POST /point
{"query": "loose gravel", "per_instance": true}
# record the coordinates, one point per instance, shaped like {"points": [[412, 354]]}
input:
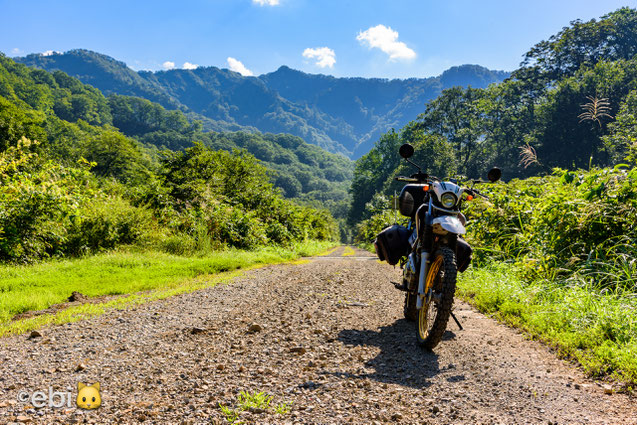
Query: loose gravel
{"points": [[326, 337]]}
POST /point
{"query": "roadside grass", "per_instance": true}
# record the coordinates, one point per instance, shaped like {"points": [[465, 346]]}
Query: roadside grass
{"points": [[39, 286], [367, 246], [348, 251], [329, 252], [597, 328], [252, 401]]}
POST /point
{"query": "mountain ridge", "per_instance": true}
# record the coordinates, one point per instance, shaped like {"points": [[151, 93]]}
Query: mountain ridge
{"points": [[340, 114]]}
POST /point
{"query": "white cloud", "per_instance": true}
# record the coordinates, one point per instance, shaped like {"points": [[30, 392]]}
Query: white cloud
{"points": [[49, 53], [386, 39], [168, 65], [188, 65], [237, 66], [15, 51], [325, 57], [266, 2]]}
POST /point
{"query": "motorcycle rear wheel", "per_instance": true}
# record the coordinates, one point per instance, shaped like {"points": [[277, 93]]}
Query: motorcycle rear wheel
{"points": [[409, 310], [434, 314]]}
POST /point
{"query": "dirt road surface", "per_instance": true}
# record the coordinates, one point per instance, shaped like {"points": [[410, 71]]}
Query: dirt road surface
{"points": [[326, 336]]}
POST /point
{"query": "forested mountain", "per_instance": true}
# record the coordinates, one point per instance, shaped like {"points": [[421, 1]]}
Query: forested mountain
{"points": [[298, 168], [342, 115], [80, 173]]}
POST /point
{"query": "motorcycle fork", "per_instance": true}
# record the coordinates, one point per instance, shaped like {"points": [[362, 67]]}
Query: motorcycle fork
{"points": [[424, 267], [426, 247]]}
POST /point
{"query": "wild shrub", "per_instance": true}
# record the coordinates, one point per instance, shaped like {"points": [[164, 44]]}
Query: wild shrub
{"points": [[106, 222], [37, 199], [569, 222], [231, 193], [47, 209]]}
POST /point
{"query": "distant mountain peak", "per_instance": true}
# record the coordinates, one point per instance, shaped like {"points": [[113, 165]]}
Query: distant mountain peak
{"points": [[471, 75], [286, 70], [83, 53]]}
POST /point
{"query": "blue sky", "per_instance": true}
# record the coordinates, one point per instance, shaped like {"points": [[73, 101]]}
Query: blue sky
{"points": [[367, 38]]}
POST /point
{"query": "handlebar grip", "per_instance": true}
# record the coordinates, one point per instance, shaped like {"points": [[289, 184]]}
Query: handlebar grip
{"points": [[475, 193], [480, 194]]}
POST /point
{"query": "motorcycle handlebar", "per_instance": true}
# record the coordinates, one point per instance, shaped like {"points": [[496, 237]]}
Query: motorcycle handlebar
{"points": [[417, 178], [426, 179], [407, 179], [475, 192]]}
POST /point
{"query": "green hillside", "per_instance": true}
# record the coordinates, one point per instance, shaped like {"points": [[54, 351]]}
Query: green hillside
{"points": [[71, 183], [342, 115], [297, 167]]}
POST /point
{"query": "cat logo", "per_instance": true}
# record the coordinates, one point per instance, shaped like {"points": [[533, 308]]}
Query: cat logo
{"points": [[88, 396]]}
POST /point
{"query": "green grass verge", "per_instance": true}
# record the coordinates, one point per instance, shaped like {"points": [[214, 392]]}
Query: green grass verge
{"points": [[37, 287], [348, 251], [254, 400], [329, 252], [596, 328]]}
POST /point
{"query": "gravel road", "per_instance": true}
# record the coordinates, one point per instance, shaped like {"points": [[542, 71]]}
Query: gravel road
{"points": [[326, 336]]}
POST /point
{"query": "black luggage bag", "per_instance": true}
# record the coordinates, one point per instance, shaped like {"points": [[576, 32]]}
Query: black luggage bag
{"points": [[392, 243]]}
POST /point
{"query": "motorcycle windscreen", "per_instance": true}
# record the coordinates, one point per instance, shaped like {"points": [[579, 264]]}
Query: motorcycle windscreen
{"points": [[451, 224]]}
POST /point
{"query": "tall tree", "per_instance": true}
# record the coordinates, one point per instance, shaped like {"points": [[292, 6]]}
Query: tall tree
{"points": [[613, 37], [456, 116]]}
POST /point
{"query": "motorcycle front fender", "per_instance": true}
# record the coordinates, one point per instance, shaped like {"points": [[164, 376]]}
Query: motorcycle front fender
{"points": [[451, 224]]}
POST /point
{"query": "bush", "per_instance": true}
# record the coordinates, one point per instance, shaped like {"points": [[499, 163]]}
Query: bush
{"points": [[582, 222], [47, 209], [236, 228], [106, 222], [37, 198], [230, 192]]}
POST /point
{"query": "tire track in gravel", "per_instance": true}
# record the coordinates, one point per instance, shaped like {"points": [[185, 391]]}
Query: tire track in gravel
{"points": [[330, 339]]}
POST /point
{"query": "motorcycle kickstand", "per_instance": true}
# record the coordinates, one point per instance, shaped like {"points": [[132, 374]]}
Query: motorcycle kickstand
{"points": [[456, 320], [400, 286]]}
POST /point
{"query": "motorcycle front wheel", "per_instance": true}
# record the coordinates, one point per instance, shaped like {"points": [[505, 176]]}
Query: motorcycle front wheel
{"points": [[435, 312]]}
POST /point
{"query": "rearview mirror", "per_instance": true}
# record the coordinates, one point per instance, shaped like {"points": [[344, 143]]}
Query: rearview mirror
{"points": [[406, 150], [494, 174]]}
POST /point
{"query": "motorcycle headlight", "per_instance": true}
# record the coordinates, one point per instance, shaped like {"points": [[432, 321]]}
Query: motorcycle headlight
{"points": [[448, 200]]}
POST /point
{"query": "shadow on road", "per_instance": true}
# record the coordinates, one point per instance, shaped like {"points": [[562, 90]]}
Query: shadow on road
{"points": [[400, 361]]}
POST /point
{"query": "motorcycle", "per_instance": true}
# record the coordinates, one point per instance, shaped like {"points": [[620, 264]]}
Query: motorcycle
{"points": [[430, 250]]}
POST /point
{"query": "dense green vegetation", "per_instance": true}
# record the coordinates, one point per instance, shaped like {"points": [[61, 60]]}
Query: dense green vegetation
{"points": [[559, 253], [554, 253], [71, 183], [301, 169], [342, 115], [583, 221]]}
